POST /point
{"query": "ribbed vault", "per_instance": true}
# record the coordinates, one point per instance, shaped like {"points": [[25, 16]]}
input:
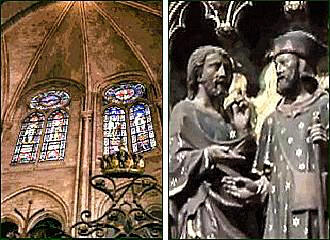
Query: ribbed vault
{"points": [[82, 41]]}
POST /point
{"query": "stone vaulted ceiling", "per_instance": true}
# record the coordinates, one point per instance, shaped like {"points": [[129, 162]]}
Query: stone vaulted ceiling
{"points": [[87, 42]]}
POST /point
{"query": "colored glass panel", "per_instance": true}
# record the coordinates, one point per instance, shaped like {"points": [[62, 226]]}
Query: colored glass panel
{"points": [[124, 93], [142, 134], [114, 130], [50, 100], [55, 136], [28, 140]]}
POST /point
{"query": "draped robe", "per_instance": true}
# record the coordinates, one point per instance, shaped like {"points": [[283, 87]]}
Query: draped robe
{"points": [[286, 148], [197, 199]]}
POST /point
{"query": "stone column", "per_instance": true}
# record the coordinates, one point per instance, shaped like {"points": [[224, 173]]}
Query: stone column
{"points": [[85, 160]]}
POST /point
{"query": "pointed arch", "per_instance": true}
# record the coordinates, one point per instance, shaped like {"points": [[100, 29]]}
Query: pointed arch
{"points": [[142, 134], [46, 227], [28, 141], [54, 143], [114, 129]]}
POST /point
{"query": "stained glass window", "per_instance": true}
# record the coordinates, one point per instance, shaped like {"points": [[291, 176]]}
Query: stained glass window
{"points": [[26, 149], [53, 147], [124, 93], [114, 129], [135, 127], [52, 132], [142, 134], [50, 100]]}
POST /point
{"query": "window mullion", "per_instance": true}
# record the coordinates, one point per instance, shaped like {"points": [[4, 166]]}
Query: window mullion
{"points": [[128, 130], [42, 138]]}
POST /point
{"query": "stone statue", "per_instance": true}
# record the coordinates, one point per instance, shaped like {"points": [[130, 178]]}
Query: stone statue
{"points": [[207, 144], [292, 156]]}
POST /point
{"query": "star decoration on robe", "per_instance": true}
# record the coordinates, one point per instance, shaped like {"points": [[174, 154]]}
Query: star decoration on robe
{"points": [[301, 125], [270, 121], [287, 186], [182, 170], [174, 181], [273, 189], [316, 113], [290, 140], [299, 152], [302, 166], [232, 134], [181, 157], [295, 221]]}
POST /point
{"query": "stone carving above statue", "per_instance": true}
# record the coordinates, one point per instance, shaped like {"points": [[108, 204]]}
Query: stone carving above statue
{"points": [[223, 13], [294, 5]]}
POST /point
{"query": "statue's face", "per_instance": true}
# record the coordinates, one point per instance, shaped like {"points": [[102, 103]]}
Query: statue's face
{"points": [[216, 76], [287, 70]]}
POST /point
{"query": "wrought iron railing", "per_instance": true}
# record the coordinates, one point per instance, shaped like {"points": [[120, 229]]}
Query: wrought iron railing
{"points": [[130, 212]]}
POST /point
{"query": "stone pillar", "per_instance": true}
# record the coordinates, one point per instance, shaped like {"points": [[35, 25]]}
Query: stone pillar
{"points": [[85, 160]]}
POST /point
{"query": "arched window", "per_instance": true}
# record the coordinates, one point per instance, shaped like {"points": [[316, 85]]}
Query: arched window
{"points": [[47, 125], [27, 146], [114, 127], [53, 146], [46, 228], [127, 119], [142, 134]]}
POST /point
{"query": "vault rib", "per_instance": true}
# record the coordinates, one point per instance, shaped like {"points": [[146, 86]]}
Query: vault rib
{"points": [[86, 66], [5, 58], [134, 49], [142, 7], [35, 59]]}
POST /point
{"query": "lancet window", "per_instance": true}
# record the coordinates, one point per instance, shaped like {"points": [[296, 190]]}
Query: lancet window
{"points": [[46, 126], [127, 120]]}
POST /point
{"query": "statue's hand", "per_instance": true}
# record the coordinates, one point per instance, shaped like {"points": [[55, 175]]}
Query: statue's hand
{"points": [[240, 187], [223, 154], [241, 115]]}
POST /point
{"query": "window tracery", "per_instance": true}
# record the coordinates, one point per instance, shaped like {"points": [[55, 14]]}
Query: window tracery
{"points": [[45, 127], [127, 119]]}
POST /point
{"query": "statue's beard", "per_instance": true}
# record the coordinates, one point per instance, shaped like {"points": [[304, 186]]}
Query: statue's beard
{"points": [[287, 87]]}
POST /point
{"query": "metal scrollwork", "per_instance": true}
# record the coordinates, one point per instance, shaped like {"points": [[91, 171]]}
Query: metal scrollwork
{"points": [[127, 215]]}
